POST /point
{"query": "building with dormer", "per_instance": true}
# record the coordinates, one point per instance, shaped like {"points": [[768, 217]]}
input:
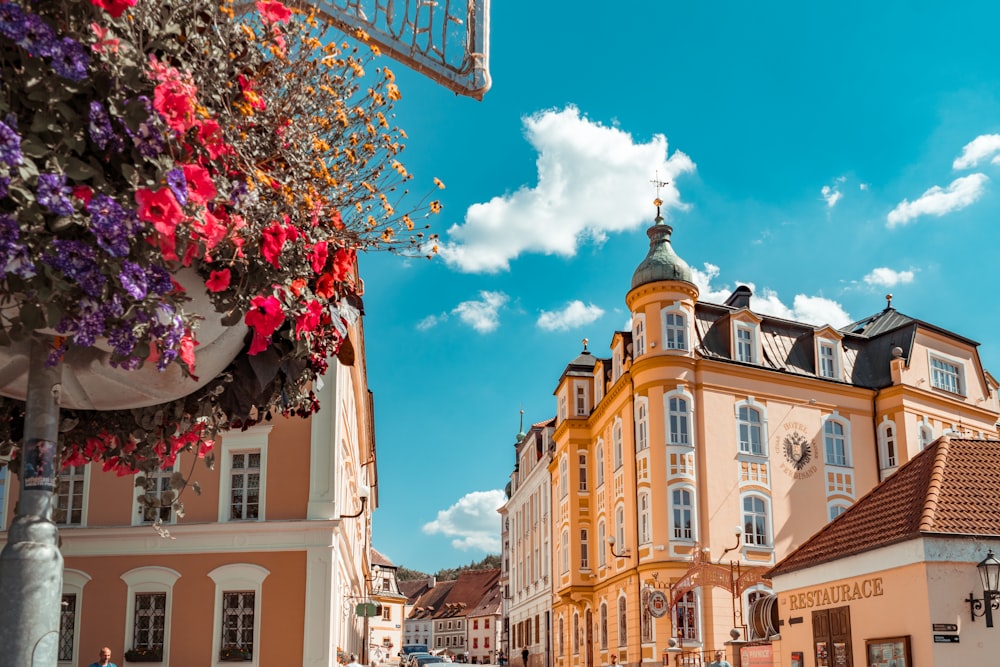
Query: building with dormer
{"points": [[713, 441], [386, 627]]}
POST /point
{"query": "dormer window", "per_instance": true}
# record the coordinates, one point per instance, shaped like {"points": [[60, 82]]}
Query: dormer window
{"points": [[746, 344], [829, 360], [946, 374], [674, 330]]}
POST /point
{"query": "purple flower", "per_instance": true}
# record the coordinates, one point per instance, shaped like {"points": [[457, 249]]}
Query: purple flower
{"points": [[10, 145], [38, 38], [133, 279], [11, 21], [100, 125], [78, 262], [158, 279], [123, 341], [70, 59], [4, 184], [109, 223], [13, 255], [53, 193], [178, 185]]}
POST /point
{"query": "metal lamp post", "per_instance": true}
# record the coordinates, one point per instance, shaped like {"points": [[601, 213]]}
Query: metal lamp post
{"points": [[31, 565], [989, 574]]}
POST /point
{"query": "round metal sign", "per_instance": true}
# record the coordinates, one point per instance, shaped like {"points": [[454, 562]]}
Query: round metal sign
{"points": [[657, 604]]}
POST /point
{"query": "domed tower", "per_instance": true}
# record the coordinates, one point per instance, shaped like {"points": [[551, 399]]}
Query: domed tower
{"points": [[662, 297]]}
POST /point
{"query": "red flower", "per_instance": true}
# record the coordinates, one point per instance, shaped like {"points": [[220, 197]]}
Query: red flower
{"points": [[309, 320], [325, 287], [113, 7], [265, 315], [343, 263], [273, 12], [272, 240], [210, 136], [187, 353], [161, 209], [218, 280], [83, 193], [175, 101], [200, 187], [318, 255]]}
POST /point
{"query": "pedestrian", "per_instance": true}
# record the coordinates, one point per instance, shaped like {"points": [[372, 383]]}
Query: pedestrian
{"points": [[614, 660], [720, 660], [353, 662], [104, 660], [524, 655]]}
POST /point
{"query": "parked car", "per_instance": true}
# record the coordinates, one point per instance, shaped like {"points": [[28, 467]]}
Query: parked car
{"points": [[423, 660], [412, 657]]}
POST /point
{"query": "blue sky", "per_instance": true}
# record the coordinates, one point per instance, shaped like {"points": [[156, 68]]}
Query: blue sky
{"points": [[825, 154]]}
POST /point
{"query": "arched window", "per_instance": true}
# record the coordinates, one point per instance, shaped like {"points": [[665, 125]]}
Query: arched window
{"points": [[644, 536], [749, 423], [639, 333], [682, 514], [756, 521], [641, 424], [604, 625], [616, 436], [600, 462], [645, 618], [622, 622], [620, 527], [888, 453], [674, 331], [678, 420], [582, 462], [926, 434], [601, 539], [562, 634], [835, 509], [576, 633], [836, 442]]}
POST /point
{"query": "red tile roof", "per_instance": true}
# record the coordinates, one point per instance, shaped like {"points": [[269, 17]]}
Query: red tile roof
{"points": [[950, 488], [379, 559]]}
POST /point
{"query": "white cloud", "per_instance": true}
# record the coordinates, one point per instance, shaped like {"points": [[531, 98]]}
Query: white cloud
{"points": [[938, 201], [592, 180], [472, 522], [982, 147], [886, 277], [832, 194], [863, 187], [574, 314], [815, 310], [483, 315], [431, 321]]}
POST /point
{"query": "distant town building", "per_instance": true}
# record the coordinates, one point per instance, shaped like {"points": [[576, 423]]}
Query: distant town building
{"points": [[712, 442], [449, 609], [422, 603], [386, 628], [483, 628]]}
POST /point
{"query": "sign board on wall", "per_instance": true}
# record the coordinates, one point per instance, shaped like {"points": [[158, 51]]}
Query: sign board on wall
{"points": [[759, 655]]}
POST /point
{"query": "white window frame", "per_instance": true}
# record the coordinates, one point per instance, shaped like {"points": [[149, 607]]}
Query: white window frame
{"points": [[673, 416], [835, 508], [599, 462], [682, 510], [582, 468], [238, 577], [639, 333], [622, 620], [581, 399], [616, 438], [73, 583], [833, 347], [620, 527], [563, 476], [85, 495], [641, 423], [951, 380], [563, 409], [254, 438], [601, 540], [848, 458], [674, 322], [584, 549], [746, 446], [645, 532], [137, 519], [925, 434], [750, 538], [564, 556], [753, 343], [598, 383], [150, 579], [888, 435], [693, 603]]}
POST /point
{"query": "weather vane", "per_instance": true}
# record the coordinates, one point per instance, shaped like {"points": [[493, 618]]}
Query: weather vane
{"points": [[658, 184]]}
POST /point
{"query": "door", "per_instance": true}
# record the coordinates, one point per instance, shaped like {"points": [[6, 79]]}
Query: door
{"points": [[832, 637]]}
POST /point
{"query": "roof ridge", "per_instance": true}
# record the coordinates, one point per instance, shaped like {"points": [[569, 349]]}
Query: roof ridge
{"points": [[929, 516]]}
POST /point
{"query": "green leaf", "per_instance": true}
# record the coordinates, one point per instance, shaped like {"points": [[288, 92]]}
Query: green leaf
{"points": [[34, 147], [78, 170], [32, 316]]}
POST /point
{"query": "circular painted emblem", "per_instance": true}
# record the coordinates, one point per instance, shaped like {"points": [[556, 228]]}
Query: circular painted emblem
{"points": [[797, 450], [658, 604]]}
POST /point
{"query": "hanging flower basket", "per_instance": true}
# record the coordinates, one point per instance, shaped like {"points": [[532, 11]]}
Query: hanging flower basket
{"points": [[184, 188], [235, 654], [144, 655]]}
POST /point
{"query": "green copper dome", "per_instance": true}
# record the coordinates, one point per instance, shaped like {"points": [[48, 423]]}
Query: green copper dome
{"points": [[661, 263]]}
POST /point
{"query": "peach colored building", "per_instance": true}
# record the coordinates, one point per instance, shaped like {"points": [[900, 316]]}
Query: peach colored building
{"points": [[386, 628], [266, 564], [887, 583], [712, 442]]}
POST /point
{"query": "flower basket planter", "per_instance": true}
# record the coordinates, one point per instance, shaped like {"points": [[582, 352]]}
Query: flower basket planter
{"points": [[234, 655], [143, 655]]}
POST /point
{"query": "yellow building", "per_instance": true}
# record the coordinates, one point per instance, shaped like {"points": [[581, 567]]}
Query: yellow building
{"points": [[715, 440], [266, 566]]}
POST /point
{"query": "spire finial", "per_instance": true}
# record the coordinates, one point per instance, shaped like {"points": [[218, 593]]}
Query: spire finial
{"points": [[659, 184], [520, 432], [888, 301], [585, 341]]}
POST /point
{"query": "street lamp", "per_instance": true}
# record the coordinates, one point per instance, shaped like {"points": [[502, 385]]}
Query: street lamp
{"points": [[738, 531], [989, 573], [624, 553]]}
